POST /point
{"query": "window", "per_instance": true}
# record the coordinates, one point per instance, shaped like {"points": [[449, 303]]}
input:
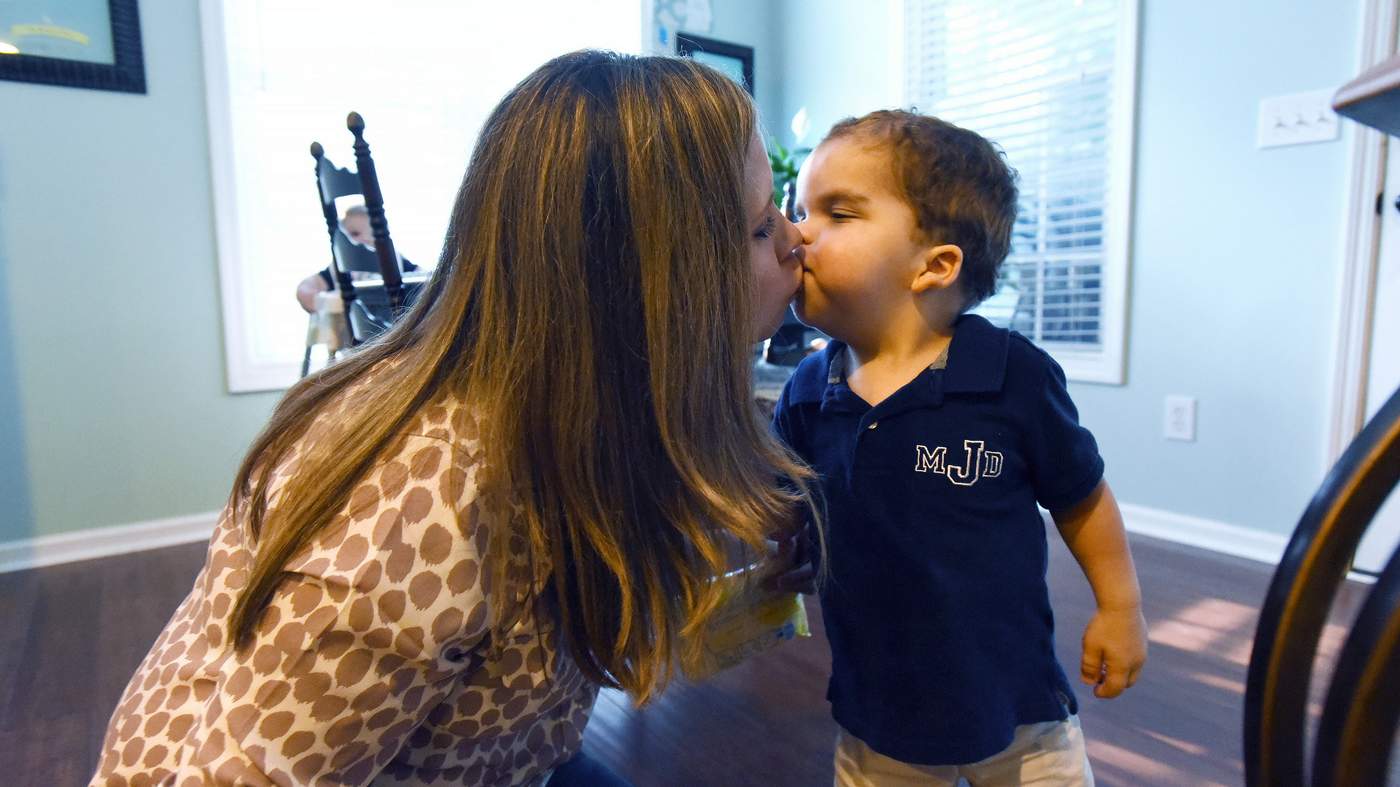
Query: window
{"points": [[423, 73], [1053, 83]]}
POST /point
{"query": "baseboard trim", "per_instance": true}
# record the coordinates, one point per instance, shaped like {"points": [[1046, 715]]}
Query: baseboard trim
{"points": [[1198, 532], [1205, 533], [105, 541], [1212, 535]]}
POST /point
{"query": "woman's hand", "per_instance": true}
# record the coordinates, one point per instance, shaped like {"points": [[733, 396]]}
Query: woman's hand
{"points": [[793, 569]]}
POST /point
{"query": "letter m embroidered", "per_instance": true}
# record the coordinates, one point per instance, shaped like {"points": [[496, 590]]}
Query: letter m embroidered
{"points": [[926, 461]]}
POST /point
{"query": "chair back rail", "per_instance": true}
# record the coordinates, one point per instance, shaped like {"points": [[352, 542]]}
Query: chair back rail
{"points": [[1295, 609], [347, 256], [374, 203], [1363, 703]]}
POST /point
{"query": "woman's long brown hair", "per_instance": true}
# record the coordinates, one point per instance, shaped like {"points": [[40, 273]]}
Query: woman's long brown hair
{"points": [[590, 306]]}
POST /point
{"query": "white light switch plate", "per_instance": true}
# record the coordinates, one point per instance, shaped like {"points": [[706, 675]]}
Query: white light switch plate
{"points": [[1297, 119], [1180, 422]]}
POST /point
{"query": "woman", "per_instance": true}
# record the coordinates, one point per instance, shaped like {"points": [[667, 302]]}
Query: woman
{"points": [[440, 547]]}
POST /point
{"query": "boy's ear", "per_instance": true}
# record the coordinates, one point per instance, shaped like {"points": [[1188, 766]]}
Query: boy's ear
{"points": [[939, 269]]}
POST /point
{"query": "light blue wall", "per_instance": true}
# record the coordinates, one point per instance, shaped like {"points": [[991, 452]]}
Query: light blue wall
{"points": [[112, 394], [1236, 263], [835, 60], [17, 511], [112, 402], [1237, 251]]}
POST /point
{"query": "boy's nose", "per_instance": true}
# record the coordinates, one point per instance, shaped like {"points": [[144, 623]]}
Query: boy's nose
{"points": [[804, 232]]}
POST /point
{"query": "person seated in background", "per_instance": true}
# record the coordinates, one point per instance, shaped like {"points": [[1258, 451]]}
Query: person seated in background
{"points": [[355, 225]]}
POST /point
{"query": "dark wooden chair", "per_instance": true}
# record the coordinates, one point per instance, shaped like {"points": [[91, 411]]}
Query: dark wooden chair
{"points": [[1357, 730], [369, 309]]}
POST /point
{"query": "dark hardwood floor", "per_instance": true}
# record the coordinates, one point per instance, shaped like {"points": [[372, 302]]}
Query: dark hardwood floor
{"points": [[72, 635]]}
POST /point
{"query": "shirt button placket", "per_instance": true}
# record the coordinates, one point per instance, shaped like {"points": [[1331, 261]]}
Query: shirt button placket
{"points": [[856, 452], [856, 449]]}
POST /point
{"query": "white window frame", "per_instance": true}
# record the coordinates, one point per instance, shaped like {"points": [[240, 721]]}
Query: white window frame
{"points": [[1361, 241], [245, 372], [1106, 364]]}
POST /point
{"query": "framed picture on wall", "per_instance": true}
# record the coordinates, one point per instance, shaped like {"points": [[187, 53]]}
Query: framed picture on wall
{"points": [[736, 60], [76, 43]]}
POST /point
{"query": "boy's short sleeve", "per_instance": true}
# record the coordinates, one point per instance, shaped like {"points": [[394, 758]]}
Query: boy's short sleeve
{"points": [[1065, 461]]}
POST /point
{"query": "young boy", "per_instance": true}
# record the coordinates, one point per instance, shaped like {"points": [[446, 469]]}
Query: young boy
{"points": [[935, 435]]}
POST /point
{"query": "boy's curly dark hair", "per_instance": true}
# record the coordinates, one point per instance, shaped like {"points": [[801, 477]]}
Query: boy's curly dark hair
{"points": [[958, 183]]}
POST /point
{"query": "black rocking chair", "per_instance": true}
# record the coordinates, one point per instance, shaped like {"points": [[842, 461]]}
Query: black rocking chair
{"points": [[1357, 730], [369, 307]]}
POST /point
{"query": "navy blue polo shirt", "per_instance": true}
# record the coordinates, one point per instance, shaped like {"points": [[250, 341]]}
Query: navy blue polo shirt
{"points": [[936, 606]]}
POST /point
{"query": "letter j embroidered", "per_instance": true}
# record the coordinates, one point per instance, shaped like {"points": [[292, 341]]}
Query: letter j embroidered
{"points": [[978, 463]]}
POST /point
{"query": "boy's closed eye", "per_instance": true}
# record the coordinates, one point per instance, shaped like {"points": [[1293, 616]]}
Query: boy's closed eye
{"points": [[841, 205], [836, 214]]}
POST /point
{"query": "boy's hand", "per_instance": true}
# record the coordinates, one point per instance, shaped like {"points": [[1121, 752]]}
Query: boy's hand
{"points": [[1115, 648]]}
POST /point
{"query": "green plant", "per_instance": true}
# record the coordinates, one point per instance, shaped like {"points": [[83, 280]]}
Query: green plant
{"points": [[785, 163]]}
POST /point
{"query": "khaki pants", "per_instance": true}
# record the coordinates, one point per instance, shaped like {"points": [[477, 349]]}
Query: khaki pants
{"points": [[1050, 754]]}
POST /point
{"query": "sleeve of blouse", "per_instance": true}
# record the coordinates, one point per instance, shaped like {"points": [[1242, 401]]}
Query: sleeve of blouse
{"points": [[361, 641]]}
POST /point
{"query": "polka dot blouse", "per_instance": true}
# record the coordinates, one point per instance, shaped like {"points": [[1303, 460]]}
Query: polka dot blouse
{"points": [[372, 663]]}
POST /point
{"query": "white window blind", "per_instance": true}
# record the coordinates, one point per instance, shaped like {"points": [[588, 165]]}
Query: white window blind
{"points": [[424, 74], [1053, 83]]}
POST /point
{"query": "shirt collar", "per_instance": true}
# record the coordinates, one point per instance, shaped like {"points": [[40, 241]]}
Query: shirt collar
{"points": [[809, 381], [975, 362], [836, 365], [976, 356]]}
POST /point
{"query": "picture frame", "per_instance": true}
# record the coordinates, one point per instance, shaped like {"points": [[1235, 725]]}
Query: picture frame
{"points": [[93, 44], [736, 60]]}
